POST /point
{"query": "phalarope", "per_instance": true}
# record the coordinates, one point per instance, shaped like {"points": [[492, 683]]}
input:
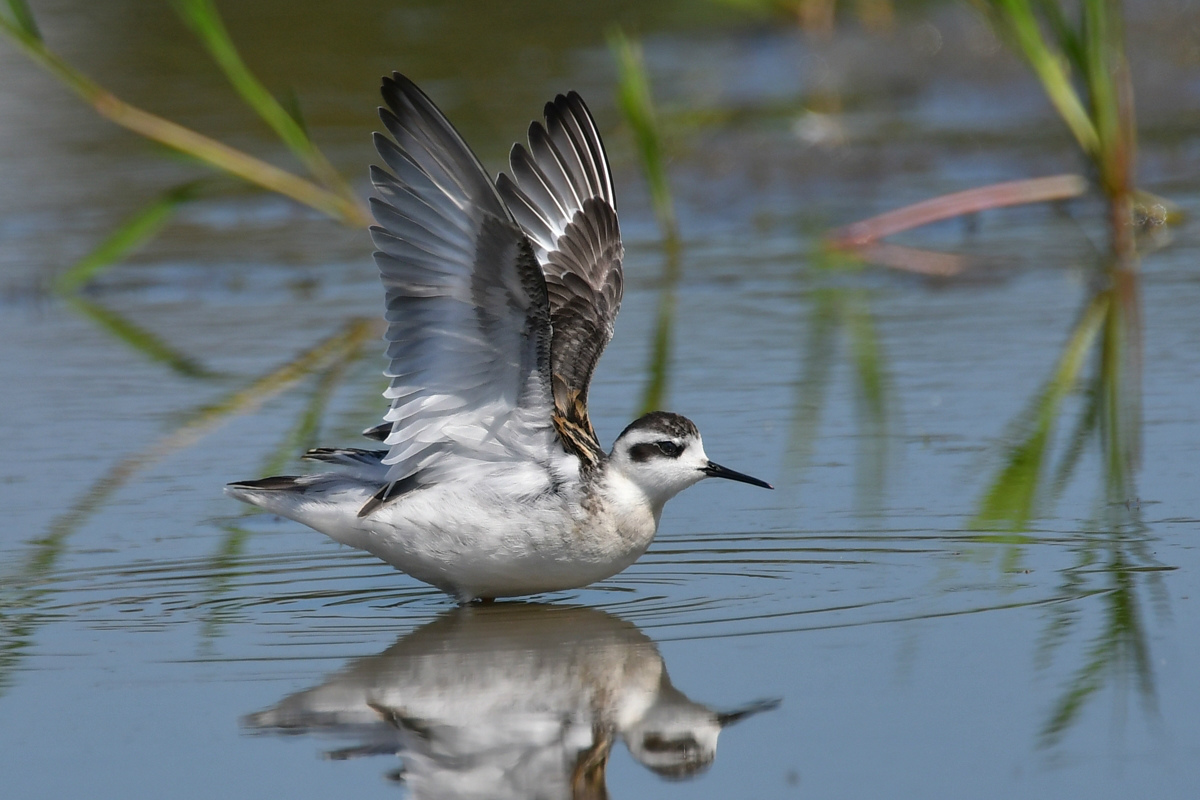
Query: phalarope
{"points": [[501, 296]]}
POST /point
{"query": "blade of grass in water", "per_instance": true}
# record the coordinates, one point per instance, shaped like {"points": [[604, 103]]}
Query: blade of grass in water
{"points": [[1019, 21], [637, 106], [970, 201], [204, 20], [173, 135], [132, 234], [658, 369], [23, 18]]}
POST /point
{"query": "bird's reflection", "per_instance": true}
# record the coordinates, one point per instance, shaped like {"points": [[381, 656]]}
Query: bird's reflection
{"points": [[512, 700]]}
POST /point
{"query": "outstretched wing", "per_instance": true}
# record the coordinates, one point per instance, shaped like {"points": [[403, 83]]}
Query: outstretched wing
{"points": [[468, 317], [561, 193]]}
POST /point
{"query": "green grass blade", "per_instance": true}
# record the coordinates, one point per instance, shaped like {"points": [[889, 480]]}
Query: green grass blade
{"points": [[658, 370], [1067, 38], [214, 153], [1107, 76], [132, 234], [637, 106], [1018, 19], [204, 20], [23, 19]]}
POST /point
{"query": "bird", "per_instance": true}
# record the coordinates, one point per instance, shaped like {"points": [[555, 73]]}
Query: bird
{"points": [[500, 299]]}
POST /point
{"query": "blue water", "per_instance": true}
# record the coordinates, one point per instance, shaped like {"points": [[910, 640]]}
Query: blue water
{"points": [[144, 622]]}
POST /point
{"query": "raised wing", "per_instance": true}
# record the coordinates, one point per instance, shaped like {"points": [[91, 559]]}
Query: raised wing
{"points": [[468, 316], [561, 193]]}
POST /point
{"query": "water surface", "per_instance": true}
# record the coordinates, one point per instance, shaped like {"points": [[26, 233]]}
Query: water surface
{"points": [[155, 640]]}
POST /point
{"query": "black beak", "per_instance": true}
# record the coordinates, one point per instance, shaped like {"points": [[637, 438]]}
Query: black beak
{"points": [[717, 471]]}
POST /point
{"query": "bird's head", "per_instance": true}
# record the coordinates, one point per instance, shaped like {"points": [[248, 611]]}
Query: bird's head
{"points": [[663, 454]]}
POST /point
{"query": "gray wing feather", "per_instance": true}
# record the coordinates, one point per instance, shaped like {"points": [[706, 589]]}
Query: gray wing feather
{"points": [[561, 194], [468, 319]]}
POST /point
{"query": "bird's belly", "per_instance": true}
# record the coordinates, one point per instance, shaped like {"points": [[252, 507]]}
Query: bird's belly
{"points": [[499, 548]]}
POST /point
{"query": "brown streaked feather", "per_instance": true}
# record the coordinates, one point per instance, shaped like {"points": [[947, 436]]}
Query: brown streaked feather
{"points": [[573, 425], [562, 197]]}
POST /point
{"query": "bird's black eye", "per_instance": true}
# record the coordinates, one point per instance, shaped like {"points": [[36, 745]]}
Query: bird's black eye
{"points": [[668, 448]]}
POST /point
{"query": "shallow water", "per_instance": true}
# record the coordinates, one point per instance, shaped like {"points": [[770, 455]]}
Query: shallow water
{"points": [[156, 641]]}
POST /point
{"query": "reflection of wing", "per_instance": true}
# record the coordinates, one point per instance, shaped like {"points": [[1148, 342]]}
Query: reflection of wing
{"points": [[495, 701], [561, 193], [490, 702], [468, 317]]}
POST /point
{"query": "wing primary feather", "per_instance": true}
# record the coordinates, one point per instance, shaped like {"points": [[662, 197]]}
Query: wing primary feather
{"points": [[561, 193], [468, 313]]}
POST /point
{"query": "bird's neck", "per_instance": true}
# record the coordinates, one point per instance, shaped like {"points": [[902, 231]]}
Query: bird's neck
{"points": [[628, 501]]}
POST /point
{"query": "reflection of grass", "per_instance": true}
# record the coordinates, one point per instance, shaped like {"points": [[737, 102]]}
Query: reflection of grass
{"points": [[132, 234], [138, 338], [1112, 561], [1108, 330], [23, 588], [340, 345], [1116, 559], [299, 438], [838, 313], [1011, 499]]}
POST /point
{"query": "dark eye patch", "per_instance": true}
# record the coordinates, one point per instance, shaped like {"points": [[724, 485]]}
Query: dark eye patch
{"points": [[644, 451]]}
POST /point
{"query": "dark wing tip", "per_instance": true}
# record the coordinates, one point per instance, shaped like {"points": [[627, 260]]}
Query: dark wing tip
{"points": [[378, 432], [274, 484]]}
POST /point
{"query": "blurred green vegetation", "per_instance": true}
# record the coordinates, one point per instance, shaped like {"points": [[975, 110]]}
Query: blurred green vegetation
{"points": [[841, 327], [636, 103], [329, 195], [1084, 71]]}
